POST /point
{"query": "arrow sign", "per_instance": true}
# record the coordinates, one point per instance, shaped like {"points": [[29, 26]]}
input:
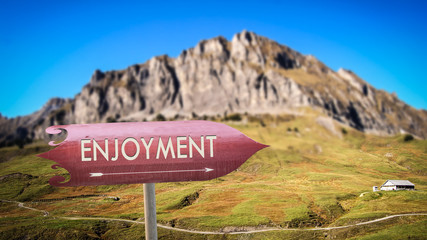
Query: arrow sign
{"points": [[148, 152], [104, 174]]}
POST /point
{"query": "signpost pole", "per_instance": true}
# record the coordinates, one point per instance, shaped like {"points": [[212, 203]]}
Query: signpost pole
{"points": [[150, 211]]}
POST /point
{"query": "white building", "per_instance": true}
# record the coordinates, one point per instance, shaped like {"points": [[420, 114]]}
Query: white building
{"points": [[390, 185]]}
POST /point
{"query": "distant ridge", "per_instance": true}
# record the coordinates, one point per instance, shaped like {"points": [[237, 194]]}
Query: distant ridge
{"points": [[250, 73]]}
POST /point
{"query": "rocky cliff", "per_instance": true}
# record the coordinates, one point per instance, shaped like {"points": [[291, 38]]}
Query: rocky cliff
{"points": [[249, 74]]}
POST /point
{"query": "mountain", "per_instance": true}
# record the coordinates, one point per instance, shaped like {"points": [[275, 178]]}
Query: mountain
{"points": [[249, 74]]}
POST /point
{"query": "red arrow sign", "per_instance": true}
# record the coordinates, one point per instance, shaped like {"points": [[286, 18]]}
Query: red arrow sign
{"points": [[148, 152]]}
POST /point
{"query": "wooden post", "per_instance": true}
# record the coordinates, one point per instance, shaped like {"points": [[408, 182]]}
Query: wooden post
{"points": [[150, 211]]}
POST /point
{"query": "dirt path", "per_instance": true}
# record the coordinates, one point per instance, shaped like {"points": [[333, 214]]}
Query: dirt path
{"points": [[21, 205], [45, 213]]}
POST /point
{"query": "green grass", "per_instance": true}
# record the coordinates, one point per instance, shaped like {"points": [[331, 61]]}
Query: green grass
{"points": [[291, 183], [381, 204], [402, 231]]}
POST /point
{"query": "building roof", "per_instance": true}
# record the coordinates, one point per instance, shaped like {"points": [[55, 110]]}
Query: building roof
{"points": [[400, 182]]}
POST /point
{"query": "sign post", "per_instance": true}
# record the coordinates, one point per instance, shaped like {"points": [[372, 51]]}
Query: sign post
{"points": [[148, 152], [150, 211]]}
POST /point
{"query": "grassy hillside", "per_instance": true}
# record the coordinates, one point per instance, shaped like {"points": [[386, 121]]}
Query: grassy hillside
{"points": [[315, 173]]}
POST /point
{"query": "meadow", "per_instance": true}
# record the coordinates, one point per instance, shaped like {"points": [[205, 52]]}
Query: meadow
{"points": [[316, 173]]}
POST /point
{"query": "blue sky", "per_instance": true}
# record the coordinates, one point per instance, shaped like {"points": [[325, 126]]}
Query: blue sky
{"points": [[50, 49]]}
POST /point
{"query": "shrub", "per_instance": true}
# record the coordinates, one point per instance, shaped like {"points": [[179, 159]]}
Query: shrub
{"points": [[408, 137], [111, 119], [235, 117], [160, 117]]}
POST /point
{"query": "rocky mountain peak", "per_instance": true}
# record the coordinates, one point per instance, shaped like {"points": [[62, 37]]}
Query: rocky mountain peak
{"points": [[250, 73], [97, 76]]}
